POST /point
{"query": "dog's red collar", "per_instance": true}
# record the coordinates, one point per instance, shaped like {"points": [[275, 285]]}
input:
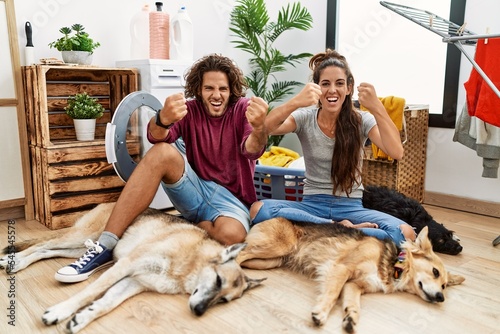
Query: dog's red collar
{"points": [[399, 265]]}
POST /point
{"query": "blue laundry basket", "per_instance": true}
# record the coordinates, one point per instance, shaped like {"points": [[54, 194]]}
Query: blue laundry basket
{"points": [[279, 182]]}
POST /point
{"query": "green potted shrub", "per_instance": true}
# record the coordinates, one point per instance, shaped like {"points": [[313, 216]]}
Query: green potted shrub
{"points": [[255, 34], [84, 110], [75, 48]]}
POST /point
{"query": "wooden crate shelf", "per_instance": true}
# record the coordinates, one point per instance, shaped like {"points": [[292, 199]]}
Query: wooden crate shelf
{"points": [[47, 89], [71, 179], [70, 176]]}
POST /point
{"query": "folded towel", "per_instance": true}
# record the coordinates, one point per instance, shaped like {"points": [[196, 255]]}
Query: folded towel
{"points": [[395, 107], [278, 157]]}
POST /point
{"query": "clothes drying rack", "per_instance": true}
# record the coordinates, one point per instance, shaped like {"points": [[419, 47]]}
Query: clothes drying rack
{"points": [[451, 33]]}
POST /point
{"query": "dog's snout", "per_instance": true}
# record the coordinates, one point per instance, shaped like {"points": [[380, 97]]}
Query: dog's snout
{"points": [[199, 309], [439, 297]]}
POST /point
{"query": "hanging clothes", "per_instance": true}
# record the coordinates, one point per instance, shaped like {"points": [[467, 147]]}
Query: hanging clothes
{"points": [[482, 101], [483, 138]]}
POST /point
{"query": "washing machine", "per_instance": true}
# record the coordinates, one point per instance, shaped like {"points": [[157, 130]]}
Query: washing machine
{"points": [[126, 137]]}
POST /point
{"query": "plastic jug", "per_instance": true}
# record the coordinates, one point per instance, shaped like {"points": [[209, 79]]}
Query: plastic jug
{"points": [[182, 43], [159, 33], [139, 34]]}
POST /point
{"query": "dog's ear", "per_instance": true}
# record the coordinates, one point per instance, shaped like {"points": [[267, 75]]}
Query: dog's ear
{"points": [[253, 282], [231, 252], [454, 279], [423, 241]]}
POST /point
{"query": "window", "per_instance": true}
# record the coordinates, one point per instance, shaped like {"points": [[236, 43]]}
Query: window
{"points": [[444, 105]]}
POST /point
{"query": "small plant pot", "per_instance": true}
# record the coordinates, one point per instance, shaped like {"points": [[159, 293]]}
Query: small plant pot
{"points": [[77, 57], [85, 129]]}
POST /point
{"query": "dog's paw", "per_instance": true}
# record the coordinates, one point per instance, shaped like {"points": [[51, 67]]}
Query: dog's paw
{"points": [[348, 324], [4, 262], [80, 320], [10, 264], [56, 314], [73, 325], [319, 318]]}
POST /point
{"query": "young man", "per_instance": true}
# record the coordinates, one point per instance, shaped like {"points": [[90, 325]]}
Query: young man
{"points": [[212, 185]]}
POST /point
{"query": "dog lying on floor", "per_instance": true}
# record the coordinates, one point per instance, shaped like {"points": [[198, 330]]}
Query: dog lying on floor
{"points": [[344, 261], [152, 248], [411, 211]]}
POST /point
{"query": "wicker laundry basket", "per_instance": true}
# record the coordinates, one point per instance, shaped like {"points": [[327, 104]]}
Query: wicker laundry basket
{"points": [[408, 174]]}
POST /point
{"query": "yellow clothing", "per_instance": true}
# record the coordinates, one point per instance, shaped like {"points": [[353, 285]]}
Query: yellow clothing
{"points": [[278, 157], [395, 108]]}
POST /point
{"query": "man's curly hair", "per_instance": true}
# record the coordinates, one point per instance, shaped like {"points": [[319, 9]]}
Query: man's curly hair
{"points": [[215, 63]]}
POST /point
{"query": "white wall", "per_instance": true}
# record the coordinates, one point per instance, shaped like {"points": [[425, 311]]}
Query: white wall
{"points": [[451, 167], [108, 22]]}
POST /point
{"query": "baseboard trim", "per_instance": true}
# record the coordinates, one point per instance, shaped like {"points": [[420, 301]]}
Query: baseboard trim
{"points": [[485, 208], [14, 212]]}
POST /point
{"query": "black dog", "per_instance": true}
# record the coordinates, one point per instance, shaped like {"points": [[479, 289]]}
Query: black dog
{"points": [[411, 211]]}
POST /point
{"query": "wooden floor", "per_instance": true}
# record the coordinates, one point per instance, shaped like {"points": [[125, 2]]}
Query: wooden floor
{"points": [[283, 303]]}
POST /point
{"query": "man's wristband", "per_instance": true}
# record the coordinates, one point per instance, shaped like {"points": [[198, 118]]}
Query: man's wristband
{"points": [[159, 123]]}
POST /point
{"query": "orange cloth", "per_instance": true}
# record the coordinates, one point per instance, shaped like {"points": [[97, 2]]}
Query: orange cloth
{"points": [[395, 108], [482, 101]]}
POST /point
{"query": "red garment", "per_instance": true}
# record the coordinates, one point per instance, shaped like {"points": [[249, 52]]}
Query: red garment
{"points": [[215, 147], [482, 101]]}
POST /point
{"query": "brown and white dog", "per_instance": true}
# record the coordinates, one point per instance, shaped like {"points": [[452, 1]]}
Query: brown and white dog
{"points": [[345, 262], [158, 252]]}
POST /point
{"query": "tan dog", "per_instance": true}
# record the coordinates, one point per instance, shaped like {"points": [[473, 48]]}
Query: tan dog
{"points": [[158, 252], [345, 261]]}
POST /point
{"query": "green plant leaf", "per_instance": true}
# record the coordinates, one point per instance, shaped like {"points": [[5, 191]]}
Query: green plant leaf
{"points": [[80, 41], [255, 34], [297, 17], [82, 106]]}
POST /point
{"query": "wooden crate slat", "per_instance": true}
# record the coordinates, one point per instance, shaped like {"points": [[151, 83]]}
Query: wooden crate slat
{"points": [[86, 184], [58, 104], [28, 85], [81, 201], [76, 153], [83, 169], [64, 220], [68, 133], [72, 88], [36, 181]]}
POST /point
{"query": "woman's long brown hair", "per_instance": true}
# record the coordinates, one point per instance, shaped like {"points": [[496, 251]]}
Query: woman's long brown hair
{"points": [[346, 157]]}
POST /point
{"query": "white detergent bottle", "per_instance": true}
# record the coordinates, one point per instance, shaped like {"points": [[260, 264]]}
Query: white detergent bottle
{"points": [[139, 34], [181, 38]]}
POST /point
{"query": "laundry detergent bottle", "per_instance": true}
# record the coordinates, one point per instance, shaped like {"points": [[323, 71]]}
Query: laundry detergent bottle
{"points": [[182, 43], [139, 34], [159, 33]]}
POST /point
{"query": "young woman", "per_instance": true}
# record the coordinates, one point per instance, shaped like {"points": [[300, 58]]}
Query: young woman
{"points": [[332, 134]]}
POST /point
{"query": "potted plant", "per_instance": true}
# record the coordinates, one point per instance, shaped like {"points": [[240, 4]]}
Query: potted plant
{"points": [[255, 34], [84, 110], [77, 48]]}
